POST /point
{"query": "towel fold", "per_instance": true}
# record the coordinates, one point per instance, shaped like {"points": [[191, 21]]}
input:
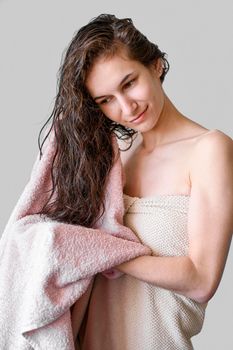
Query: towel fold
{"points": [[47, 266]]}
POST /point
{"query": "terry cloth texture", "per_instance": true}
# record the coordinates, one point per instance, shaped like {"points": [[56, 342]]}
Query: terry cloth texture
{"points": [[46, 266]]}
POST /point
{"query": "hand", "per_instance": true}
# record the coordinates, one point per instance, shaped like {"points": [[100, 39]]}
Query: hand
{"points": [[112, 273]]}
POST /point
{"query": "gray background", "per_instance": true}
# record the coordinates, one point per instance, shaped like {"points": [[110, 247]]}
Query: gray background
{"points": [[197, 35]]}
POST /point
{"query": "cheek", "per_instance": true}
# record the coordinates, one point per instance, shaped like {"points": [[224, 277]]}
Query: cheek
{"points": [[111, 112], [143, 92]]}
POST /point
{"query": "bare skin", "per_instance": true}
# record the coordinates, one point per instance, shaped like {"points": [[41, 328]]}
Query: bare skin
{"points": [[173, 155]]}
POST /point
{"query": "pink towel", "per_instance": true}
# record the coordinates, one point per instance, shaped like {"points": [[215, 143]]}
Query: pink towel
{"points": [[46, 266]]}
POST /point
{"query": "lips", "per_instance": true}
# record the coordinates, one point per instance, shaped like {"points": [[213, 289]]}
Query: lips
{"points": [[138, 115]]}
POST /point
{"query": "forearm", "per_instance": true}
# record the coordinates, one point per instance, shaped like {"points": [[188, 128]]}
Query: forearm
{"points": [[176, 273]]}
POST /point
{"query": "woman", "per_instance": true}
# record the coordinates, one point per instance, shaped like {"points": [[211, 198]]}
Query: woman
{"points": [[178, 191]]}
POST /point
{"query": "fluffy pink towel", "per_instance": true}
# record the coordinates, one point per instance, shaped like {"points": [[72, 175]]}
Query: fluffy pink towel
{"points": [[46, 266]]}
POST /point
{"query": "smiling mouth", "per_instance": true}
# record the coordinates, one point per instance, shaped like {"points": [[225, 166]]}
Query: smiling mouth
{"points": [[138, 116]]}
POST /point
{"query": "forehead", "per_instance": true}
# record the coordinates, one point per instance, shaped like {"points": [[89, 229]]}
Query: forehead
{"points": [[106, 73]]}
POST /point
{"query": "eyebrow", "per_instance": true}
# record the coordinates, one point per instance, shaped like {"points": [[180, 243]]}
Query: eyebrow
{"points": [[122, 81]]}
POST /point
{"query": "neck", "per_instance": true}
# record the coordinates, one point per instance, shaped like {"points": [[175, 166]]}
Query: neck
{"points": [[167, 128]]}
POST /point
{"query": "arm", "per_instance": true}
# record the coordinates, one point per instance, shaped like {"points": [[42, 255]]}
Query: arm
{"points": [[210, 227]]}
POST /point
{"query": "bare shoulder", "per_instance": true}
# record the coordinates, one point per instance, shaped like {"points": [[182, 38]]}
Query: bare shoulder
{"points": [[216, 134], [211, 147], [215, 140]]}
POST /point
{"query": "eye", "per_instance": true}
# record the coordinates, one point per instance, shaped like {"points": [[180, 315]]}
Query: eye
{"points": [[129, 83], [104, 101]]}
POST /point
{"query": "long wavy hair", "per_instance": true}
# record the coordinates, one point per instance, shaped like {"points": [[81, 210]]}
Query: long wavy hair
{"points": [[84, 152]]}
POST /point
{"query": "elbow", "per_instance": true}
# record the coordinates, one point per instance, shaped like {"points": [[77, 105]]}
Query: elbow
{"points": [[203, 285], [203, 297], [204, 294]]}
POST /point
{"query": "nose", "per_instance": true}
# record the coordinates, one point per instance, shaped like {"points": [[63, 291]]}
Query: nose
{"points": [[128, 106]]}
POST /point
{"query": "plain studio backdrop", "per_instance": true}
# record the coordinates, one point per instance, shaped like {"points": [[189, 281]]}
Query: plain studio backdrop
{"points": [[197, 37]]}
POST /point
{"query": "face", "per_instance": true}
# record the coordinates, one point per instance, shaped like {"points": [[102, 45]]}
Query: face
{"points": [[126, 91]]}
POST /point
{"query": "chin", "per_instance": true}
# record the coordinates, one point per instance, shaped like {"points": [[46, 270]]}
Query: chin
{"points": [[148, 126]]}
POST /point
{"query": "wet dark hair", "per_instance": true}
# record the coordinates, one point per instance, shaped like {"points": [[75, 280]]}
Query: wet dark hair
{"points": [[84, 152]]}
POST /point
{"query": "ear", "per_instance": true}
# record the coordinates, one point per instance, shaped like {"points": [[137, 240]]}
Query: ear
{"points": [[157, 67]]}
